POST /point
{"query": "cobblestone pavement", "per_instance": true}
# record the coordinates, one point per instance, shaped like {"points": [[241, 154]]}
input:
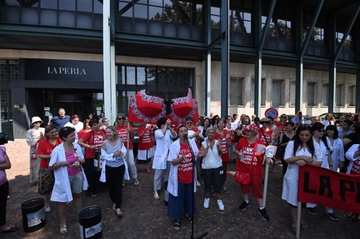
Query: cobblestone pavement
{"points": [[145, 217]]}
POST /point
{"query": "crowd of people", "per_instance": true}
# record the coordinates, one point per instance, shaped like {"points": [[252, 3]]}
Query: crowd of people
{"points": [[68, 157]]}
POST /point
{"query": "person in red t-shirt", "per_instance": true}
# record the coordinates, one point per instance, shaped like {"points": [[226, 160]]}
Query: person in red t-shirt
{"points": [[92, 142], [224, 136], [265, 132], [126, 133], [251, 161], [181, 185], [146, 145], [45, 147]]}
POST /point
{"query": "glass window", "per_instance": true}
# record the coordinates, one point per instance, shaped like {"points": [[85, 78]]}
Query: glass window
{"points": [[352, 95], [310, 94], [84, 5], [292, 94], [155, 13], [125, 10], [169, 15], [236, 92], [325, 94], [155, 2], [168, 3], [11, 3], [98, 7], [49, 4], [130, 75], [67, 5], [141, 75], [151, 76], [340, 88], [277, 96], [140, 11]]}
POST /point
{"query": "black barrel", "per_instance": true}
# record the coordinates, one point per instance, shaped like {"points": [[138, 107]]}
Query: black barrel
{"points": [[90, 220], [33, 214]]}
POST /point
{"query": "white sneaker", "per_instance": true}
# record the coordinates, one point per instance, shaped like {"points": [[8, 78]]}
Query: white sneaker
{"points": [[156, 195], [206, 202], [47, 209], [220, 204]]}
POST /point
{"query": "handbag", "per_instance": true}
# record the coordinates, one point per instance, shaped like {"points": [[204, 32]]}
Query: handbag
{"points": [[242, 178], [46, 181]]}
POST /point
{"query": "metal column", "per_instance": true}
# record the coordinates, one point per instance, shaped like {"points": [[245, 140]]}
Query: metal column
{"points": [[224, 57], [207, 14], [110, 107]]}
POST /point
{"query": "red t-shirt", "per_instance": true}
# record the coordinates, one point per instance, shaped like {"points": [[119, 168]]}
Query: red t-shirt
{"points": [[281, 126], [225, 151], [185, 169], [123, 133], [267, 133], [252, 160], [81, 133], [145, 142], [46, 148], [93, 138]]}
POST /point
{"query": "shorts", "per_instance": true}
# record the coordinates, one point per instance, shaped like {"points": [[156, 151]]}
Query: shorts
{"points": [[256, 184], [76, 182]]}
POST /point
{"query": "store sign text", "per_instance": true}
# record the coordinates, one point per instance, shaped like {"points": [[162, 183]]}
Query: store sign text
{"points": [[65, 71]]}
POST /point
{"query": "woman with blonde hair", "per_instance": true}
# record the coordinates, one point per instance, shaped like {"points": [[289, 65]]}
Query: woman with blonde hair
{"points": [[114, 166], [33, 137], [126, 133]]}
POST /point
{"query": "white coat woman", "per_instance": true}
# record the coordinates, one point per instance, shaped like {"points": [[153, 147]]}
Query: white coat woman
{"points": [[164, 136]]}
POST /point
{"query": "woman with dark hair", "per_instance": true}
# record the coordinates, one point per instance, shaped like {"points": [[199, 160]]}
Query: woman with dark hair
{"points": [[298, 152], [5, 164], [205, 125], [76, 124], [284, 139], [182, 178], [336, 147], [164, 136], [319, 138], [45, 148], [92, 141], [224, 137], [66, 160]]}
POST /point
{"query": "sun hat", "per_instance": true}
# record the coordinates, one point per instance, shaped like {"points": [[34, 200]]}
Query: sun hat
{"points": [[36, 119]]}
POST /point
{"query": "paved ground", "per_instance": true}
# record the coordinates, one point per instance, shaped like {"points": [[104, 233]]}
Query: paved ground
{"points": [[145, 217]]}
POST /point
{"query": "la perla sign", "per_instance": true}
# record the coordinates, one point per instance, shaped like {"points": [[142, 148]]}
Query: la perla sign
{"points": [[65, 71]]}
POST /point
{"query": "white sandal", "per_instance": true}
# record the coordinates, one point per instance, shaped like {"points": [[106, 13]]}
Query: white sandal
{"points": [[63, 229]]}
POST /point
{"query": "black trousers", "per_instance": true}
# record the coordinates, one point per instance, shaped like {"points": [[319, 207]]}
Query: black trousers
{"points": [[114, 178], [4, 191], [90, 174]]}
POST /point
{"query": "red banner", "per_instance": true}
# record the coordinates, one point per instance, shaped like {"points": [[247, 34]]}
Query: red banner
{"points": [[145, 108], [329, 188]]}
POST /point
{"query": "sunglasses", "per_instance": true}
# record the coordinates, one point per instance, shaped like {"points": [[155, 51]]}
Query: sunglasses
{"points": [[283, 117], [320, 130], [37, 122], [121, 118]]}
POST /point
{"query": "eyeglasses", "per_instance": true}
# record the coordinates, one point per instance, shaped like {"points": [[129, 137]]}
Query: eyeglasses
{"points": [[283, 117], [189, 122], [121, 118]]}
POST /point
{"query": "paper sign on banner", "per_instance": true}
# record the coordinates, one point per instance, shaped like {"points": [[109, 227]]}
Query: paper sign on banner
{"points": [[270, 151]]}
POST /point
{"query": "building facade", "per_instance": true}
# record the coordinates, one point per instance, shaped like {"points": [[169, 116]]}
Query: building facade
{"points": [[303, 55]]}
